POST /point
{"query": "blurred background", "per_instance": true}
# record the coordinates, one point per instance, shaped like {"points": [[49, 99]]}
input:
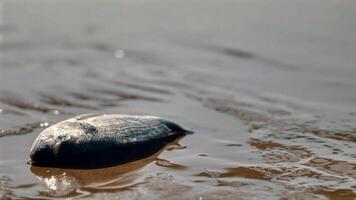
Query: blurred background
{"points": [[267, 85]]}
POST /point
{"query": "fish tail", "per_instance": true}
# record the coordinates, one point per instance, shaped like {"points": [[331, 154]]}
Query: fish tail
{"points": [[176, 128]]}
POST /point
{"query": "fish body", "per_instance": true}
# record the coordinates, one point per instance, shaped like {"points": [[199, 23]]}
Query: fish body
{"points": [[91, 140]]}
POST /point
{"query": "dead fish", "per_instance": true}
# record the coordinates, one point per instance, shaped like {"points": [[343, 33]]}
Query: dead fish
{"points": [[92, 140]]}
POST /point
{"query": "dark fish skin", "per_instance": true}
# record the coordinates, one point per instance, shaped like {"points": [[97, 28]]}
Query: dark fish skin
{"points": [[91, 141]]}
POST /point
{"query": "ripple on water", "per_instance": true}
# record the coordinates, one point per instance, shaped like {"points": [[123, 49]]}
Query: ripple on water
{"points": [[5, 188], [25, 129], [123, 95], [169, 164], [210, 83], [27, 105], [56, 101]]}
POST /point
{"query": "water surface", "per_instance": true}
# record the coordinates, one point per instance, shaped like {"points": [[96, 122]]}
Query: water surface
{"points": [[267, 86]]}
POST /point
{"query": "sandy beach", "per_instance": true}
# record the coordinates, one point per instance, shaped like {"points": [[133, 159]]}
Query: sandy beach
{"points": [[268, 87]]}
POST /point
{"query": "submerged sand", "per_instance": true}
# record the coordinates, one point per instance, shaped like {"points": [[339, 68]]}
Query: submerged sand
{"points": [[267, 86]]}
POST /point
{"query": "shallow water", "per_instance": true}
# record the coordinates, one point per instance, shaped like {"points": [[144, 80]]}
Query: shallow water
{"points": [[267, 86]]}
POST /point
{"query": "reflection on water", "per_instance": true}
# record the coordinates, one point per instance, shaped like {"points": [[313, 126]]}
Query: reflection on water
{"points": [[65, 182], [270, 95]]}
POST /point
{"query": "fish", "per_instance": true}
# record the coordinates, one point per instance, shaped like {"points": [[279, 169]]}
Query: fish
{"points": [[97, 140]]}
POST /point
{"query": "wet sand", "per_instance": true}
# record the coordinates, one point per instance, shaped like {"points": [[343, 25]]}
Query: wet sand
{"points": [[267, 86]]}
